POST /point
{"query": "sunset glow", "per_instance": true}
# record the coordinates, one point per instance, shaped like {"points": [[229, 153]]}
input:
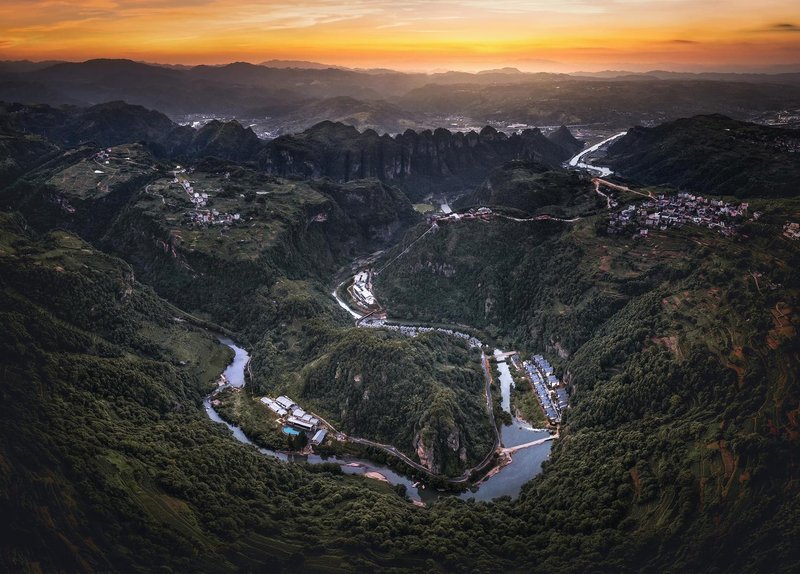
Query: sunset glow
{"points": [[548, 35]]}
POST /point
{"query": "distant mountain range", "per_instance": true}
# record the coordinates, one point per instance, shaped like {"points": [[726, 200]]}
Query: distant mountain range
{"points": [[287, 96]]}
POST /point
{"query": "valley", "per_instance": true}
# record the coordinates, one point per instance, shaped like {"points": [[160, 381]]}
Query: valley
{"points": [[424, 343]]}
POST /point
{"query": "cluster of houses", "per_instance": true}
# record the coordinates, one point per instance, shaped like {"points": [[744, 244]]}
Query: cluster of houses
{"points": [[413, 330], [481, 213], [293, 415], [199, 215], [552, 395], [197, 198], [676, 210], [103, 156], [212, 217], [791, 230]]}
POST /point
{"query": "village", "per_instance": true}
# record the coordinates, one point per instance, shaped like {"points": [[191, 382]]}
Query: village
{"points": [[295, 419], [667, 211], [549, 390], [199, 215], [791, 231]]}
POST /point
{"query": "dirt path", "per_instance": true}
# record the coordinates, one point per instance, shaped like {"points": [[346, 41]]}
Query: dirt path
{"points": [[600, 181]]}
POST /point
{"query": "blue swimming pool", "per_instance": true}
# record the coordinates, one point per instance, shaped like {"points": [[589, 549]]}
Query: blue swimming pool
{"points": [[291, 431]]}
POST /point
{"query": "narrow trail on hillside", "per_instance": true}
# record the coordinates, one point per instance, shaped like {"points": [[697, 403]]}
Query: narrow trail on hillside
{"points": [[404, 251]]}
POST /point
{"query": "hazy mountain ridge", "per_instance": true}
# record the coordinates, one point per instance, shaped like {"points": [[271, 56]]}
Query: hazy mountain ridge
{"points": [[253, 91]]}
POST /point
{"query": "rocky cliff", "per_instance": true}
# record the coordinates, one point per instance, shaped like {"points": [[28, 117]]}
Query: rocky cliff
{"points": [[419, 162]]}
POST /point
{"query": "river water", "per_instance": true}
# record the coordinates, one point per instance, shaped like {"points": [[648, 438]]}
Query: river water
{"points": [[525, 465], [601, 171], [527, 462]]}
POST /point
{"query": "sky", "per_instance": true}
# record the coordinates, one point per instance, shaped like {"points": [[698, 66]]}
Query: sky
{"points": [[470, 35]]}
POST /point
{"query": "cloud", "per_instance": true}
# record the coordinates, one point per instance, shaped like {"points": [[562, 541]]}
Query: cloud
{"points": [[528, 7], [784, 27], [392, 25], [776, 27], [681, 41]]}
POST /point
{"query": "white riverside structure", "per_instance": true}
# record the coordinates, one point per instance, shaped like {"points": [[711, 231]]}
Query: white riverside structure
{"points": [[508, 482]]}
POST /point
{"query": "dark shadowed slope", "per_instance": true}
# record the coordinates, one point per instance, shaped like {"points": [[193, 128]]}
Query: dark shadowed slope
{"points": [[712, 154]]}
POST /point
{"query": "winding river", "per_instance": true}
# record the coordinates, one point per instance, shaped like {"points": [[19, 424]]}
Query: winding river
{"points": [[525, 464], [576, 161], [234, 373], [508, 481]]}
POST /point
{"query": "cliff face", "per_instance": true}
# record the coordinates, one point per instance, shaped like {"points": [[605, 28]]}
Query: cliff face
{"points": [[377, 210], [420, 163]]}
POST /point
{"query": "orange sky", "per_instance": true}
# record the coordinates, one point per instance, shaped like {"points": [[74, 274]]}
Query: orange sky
{"points": [[549, 35]]}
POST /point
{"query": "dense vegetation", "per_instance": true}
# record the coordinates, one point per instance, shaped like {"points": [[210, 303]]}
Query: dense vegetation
{"points": [[265, 278], [682, 355], [425, 162], [433, 383], [534, 189], [679, 450]]}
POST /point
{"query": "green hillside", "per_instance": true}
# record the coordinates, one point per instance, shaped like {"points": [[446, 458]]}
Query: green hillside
{"points": [[682, 356], [534, 189], [678, 451], [712, 154]]}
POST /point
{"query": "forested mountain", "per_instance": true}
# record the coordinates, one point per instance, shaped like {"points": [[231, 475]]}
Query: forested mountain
{"points": [[534, 189], [683, 366], [115, 123], [118, 267], [712, 154]]}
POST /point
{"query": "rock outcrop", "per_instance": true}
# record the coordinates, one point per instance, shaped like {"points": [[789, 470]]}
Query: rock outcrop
{"points": [[419, 162]]}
